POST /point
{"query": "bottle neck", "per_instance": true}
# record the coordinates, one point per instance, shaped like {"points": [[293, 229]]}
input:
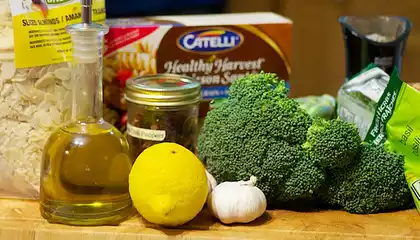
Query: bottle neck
{"points": [[87, 103], [87, 93]]}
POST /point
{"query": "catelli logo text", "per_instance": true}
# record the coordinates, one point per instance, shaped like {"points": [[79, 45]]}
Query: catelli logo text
{"points": [[211, 41]]}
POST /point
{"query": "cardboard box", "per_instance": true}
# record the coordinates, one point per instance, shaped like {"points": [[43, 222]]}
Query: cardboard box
{"points": [[214, 49]]}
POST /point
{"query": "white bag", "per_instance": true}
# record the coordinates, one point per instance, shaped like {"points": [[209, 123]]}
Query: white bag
{"points": [[33, 100]]}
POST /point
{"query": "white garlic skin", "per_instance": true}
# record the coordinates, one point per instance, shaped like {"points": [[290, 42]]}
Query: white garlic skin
{"points": [[237, 202], [211, 181]]}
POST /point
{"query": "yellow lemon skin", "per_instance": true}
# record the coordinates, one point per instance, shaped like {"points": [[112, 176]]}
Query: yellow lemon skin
{"points": [[168, 184]]}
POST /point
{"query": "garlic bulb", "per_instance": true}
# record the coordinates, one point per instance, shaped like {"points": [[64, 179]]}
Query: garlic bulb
{"points": [[211, 182], [237, 202]]}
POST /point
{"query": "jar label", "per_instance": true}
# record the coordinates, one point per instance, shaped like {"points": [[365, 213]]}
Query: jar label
{"points": [[146, 134]]}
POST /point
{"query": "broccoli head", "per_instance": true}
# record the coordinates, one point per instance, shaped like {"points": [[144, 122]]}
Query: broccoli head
{"points": [[332, 143], [259, 131], [376, 183]]}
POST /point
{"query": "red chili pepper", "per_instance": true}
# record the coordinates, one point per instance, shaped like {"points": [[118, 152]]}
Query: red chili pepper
{"points": [[124, 119], [123, 75]]}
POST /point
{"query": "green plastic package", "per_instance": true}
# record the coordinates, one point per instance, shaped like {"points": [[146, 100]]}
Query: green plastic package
{"points": [[396, 125]]}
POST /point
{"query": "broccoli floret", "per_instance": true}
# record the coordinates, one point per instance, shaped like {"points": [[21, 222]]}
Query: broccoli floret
{"points": [[332, 143], [289, 174], [376, 183], [259, 131], [252, 86]]}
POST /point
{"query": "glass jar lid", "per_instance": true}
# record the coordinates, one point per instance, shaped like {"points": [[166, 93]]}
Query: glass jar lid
{"points": [[163, 90]]}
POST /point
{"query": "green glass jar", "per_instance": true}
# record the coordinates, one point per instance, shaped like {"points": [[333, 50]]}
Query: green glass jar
{"points": [[162, 108]]}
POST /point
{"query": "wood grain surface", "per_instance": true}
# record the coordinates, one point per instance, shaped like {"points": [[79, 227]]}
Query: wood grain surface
{"points": [[21, 220]]}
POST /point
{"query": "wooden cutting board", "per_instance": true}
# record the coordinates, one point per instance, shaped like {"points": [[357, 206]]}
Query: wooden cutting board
{"points": [[21, 220]]}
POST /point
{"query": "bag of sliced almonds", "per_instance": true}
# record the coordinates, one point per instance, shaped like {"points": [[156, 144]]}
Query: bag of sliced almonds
{"points": [[35, 80]]}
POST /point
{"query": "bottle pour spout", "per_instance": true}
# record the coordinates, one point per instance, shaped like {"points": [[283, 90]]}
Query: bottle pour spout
{"points": [[86, 11]]}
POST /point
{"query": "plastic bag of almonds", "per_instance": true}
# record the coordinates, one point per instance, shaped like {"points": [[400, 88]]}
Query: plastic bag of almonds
{"points": [[35, 85]]}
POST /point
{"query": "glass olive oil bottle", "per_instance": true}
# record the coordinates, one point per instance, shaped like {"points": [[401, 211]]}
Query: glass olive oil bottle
{"points": [[86, 162]]}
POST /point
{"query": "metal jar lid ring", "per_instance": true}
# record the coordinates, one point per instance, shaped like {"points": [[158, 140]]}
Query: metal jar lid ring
{"points": [[163, 90]]}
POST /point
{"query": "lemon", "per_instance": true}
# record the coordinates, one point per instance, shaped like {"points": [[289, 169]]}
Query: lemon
{"points": [[168, 184]]}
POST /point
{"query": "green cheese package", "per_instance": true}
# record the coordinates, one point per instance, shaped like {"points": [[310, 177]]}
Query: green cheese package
{"points": [[397, 125], [395, 122]]}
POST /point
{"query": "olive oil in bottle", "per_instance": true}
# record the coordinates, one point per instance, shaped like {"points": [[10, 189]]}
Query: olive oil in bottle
{"points": [[86, 162]]}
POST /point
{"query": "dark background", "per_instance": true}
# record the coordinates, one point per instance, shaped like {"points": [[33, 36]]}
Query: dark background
{"points": [[129, 8]]}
